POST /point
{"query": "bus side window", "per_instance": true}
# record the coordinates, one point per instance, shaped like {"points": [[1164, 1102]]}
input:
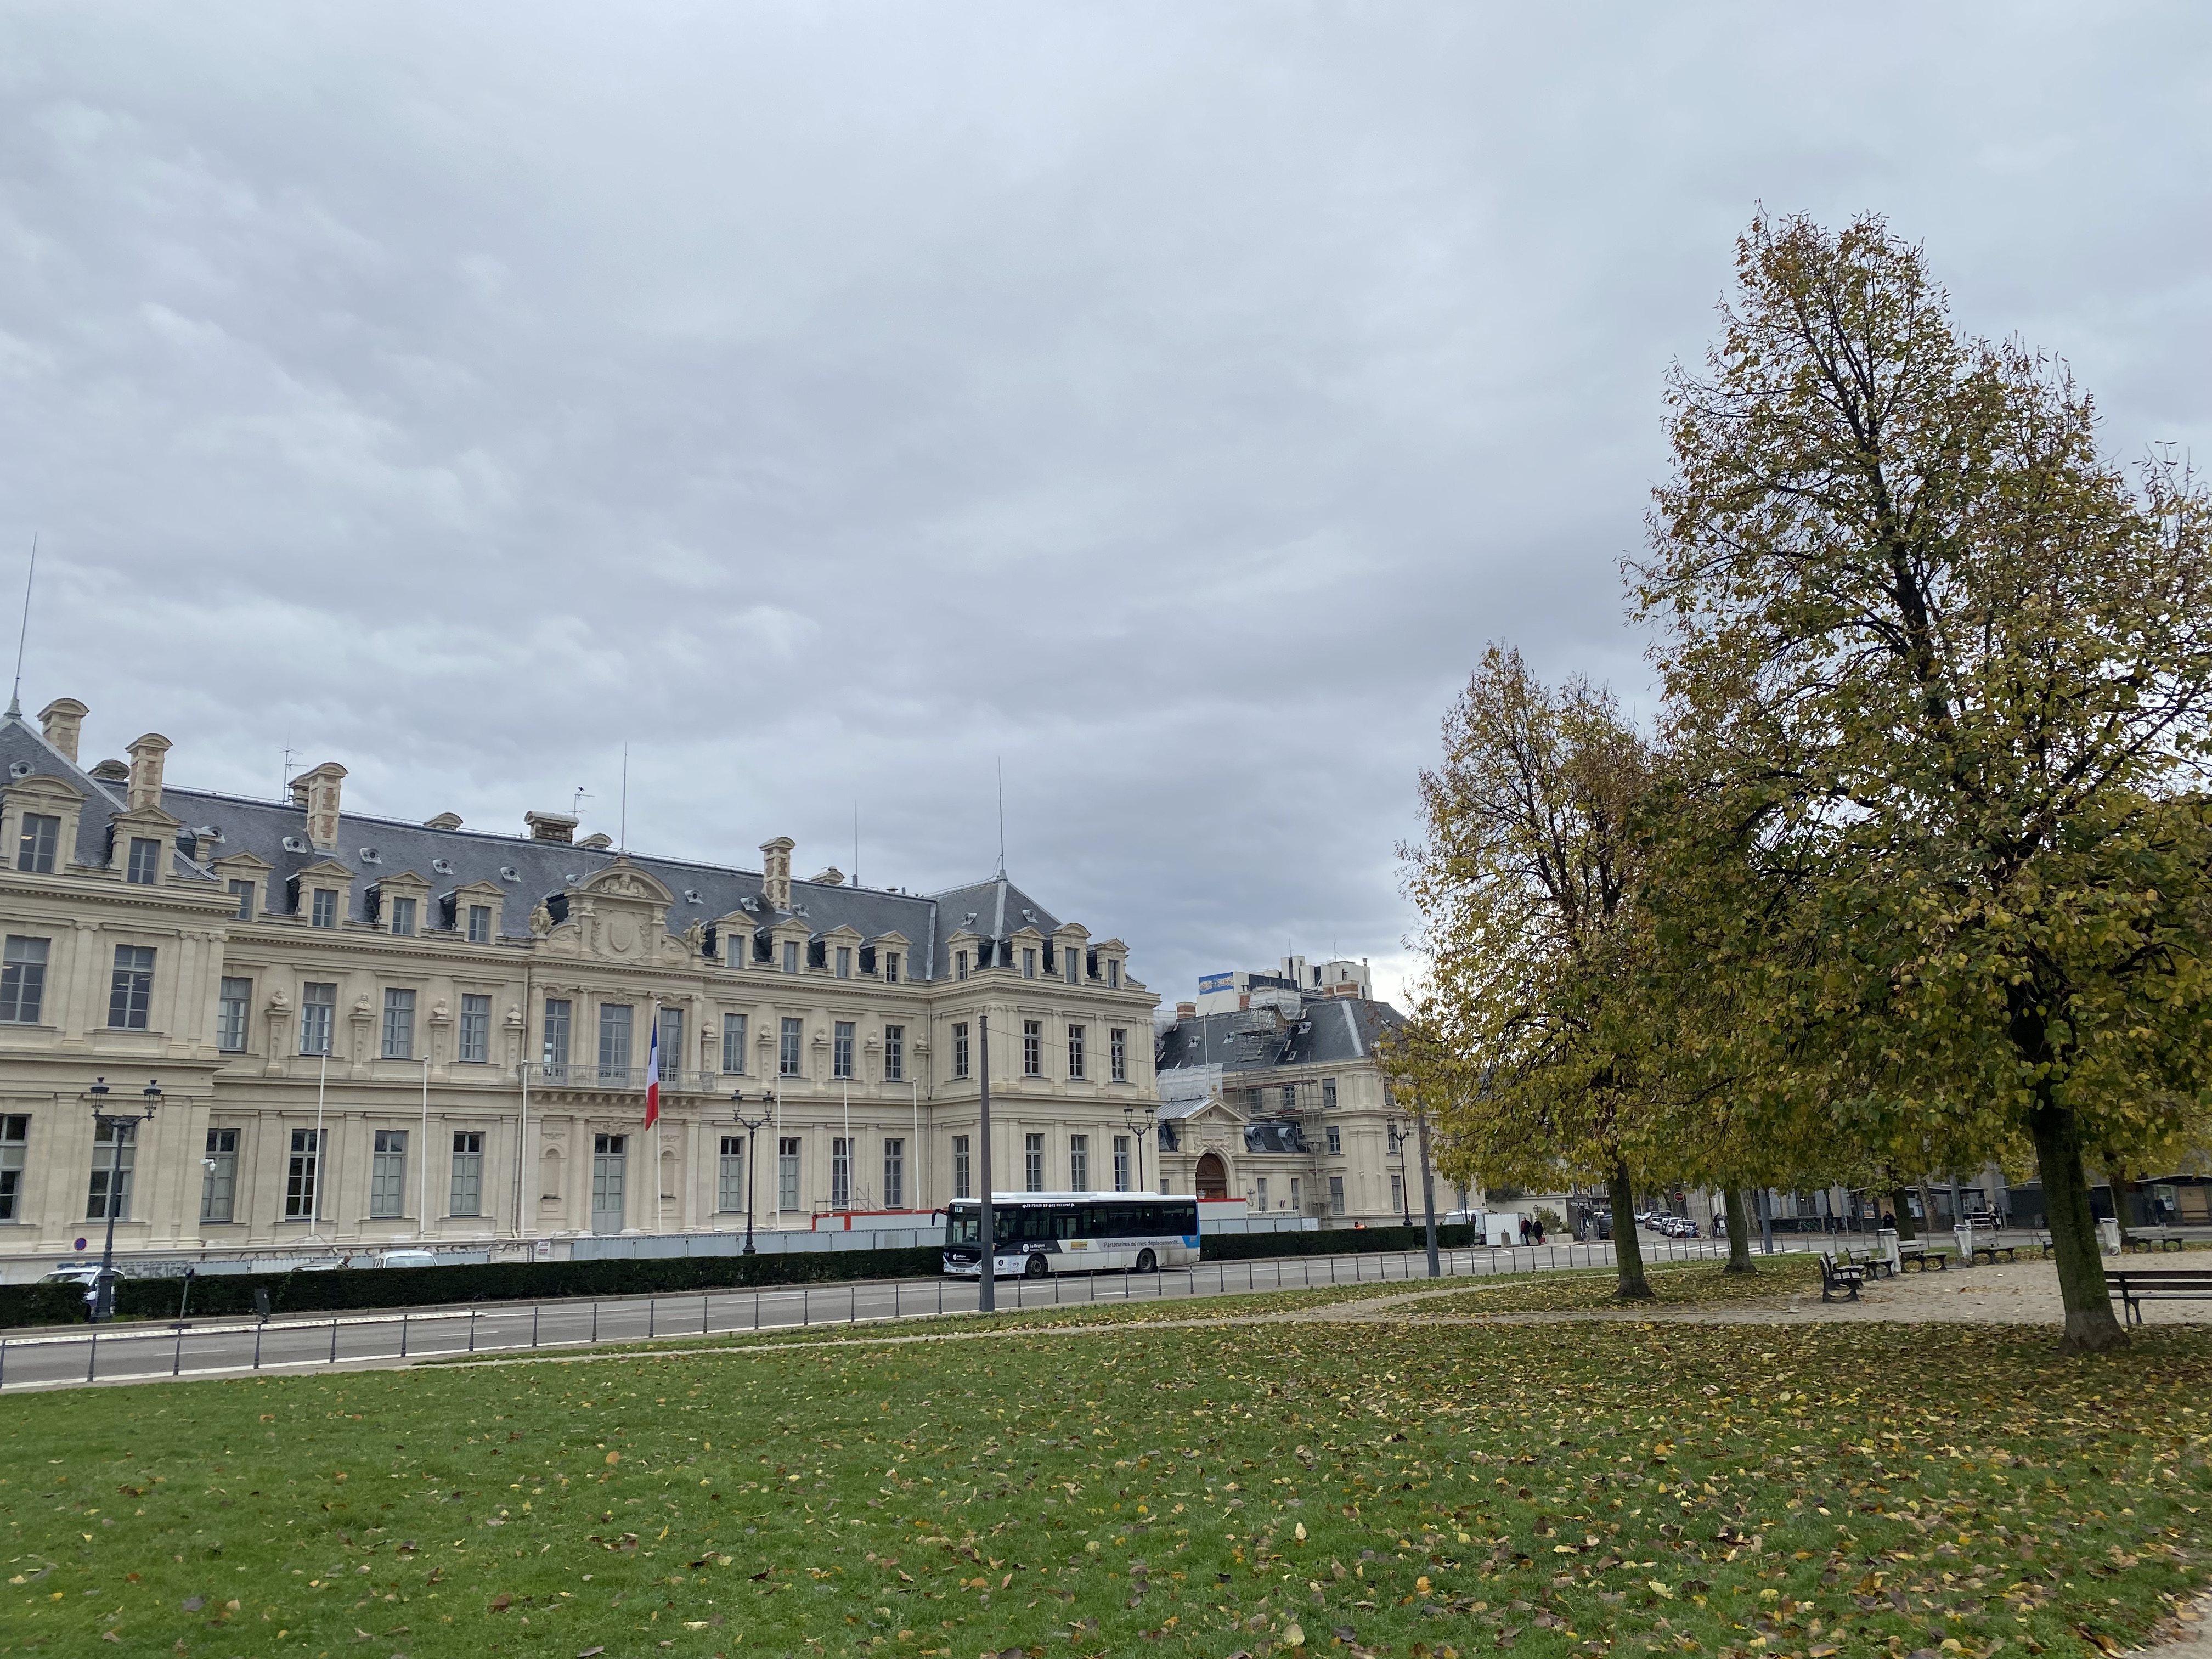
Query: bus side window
{"points": [[1182, 1217], [1064, 1220]]}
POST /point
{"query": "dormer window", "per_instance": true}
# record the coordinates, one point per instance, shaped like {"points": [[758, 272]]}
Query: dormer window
{"points": [[36, 847], [790, 956], [960, 964], [1113, 973], [144, 869], [479, 924], [890, 967], [1028, 962], [323, 908], [844, 962], [1073, 962], [403, 918]]}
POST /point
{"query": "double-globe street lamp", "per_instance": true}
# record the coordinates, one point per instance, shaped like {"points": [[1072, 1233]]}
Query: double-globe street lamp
{"points": [[1139, 1130], [120, 1127], [752, 1126]]}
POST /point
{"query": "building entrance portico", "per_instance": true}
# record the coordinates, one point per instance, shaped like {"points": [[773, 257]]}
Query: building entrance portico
{"points": [[1212, 1176]]}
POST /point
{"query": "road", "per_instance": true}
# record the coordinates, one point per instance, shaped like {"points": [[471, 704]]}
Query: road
{"points": [[148, 1352]]}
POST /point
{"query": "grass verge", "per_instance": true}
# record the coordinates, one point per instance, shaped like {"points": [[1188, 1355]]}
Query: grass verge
{"points": [[1269, 1490], [1679, 1284]]}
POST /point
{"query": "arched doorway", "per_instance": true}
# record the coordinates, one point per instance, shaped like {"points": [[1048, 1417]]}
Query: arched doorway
{"points": [[1212, 1176]]}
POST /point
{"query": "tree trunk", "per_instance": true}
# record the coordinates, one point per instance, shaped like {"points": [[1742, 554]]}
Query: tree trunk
{"points": [[1907, 1230], [1627, 1249], [1739, 1229], [2090, 1325]]}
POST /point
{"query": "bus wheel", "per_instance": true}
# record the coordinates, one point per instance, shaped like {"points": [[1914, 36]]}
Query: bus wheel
{"points": [[1147, 1262], [1038, 1268]]}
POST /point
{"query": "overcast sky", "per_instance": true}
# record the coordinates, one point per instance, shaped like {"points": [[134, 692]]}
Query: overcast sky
{"points": [[834, 402]]}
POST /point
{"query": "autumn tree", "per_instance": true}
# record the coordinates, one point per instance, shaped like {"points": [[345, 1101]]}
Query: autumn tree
{"points": [[1947, 669], [1526, 1046]]}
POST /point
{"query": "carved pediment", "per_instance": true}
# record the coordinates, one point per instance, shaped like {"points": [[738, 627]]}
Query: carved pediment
{"points": [[621, 915]]}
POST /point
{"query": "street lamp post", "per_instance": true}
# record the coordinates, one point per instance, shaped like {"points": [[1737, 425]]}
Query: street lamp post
{"points": [[118, 1125], [752, 1126], [1139, 1130], [1398, 1139]]}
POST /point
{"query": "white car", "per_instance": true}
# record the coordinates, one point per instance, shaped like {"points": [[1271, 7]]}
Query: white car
{"points": [[84, 1275], [407, 1258]]}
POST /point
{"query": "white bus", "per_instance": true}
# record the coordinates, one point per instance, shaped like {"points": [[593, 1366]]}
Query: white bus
{"points": [[1044, 1233]]}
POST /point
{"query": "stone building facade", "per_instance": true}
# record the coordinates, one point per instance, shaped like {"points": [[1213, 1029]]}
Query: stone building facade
{"points": [[369, 1031], [1280, 1101]]}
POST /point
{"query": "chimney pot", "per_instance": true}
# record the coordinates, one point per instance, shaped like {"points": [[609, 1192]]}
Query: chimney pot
{"points": [[775, 871], [63, 719], [145, 788], [550, 826]]}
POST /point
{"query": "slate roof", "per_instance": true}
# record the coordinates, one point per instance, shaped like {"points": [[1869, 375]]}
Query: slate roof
{"points": [[526, 871], [1331, 1031]]}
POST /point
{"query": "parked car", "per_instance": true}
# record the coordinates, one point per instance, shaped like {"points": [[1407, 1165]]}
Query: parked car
{"points": [[407, 1258], [83, 1274]]}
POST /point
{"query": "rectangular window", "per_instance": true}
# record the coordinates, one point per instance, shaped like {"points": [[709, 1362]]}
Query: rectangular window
{"points": [[230, 1012], [1033, 1161], [1289, 1096], [1328, 1093], [323, 908], [894, 1175], [1078, 1162], [891, 968], [553, 1054], [23, 980], [960, 1049], [1296, 1196], [790, 956], [960, 964], [730, 1183], [303, 1174], [14, 1150], [1259, 1193], [479, 924], [398, 1024], [844, 962], [840, 1173], [960, 1172], [40, 841], [1397, 1191], [733, 1044], [403, 918], [840, 1052], [672, 1045], [109, 1192], [1336, 1194], [1029, 964], [243, 893], [1032, 1048], [476, 1039], [1114, 980], [788, 1053], [387, 1176], [1073, 962], [145, 867], [787, 1172], [319, 1007], [1335, 1142], [130, 991], [218, 1178], [1121, 1164], [614, 1041], [1117, 1054], [468, 1173], [1075, 1058], [894, 1053]]}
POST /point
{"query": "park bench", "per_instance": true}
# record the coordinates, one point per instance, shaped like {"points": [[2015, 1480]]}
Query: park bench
{"points": [[2147, 1239], [2137, 1286], [1917, 1255], [1840, 1276], [1995, 1248], [1875, 1263]]}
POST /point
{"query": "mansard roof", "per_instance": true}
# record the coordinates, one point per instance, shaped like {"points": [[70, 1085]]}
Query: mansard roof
{"points": [[1330, 1031]]}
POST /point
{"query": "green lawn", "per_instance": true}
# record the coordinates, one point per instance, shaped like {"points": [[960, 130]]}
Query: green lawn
{"points": [[1677, 1285], [1395, 1489]]}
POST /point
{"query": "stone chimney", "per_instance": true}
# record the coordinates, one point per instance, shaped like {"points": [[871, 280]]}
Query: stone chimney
{"points": [[63, 719], [318, 792], [146, 772], [550, 826], [775, 871]]}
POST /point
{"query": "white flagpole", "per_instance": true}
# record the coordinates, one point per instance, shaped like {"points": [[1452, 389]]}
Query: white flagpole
{"points": [[315, 1193], [423, 1175]]}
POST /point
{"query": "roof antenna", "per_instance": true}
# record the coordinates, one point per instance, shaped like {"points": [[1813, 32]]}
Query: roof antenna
{"points": [[16, 696], [284, 774], [621, 840], [576, 804], [1002, 818], [856, 843]]}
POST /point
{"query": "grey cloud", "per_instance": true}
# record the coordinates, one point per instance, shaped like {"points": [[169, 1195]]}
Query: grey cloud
{"points": [[833, 402]]}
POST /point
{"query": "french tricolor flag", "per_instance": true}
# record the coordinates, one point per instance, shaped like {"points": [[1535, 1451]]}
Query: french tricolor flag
{"points": [[652, 1077]]}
